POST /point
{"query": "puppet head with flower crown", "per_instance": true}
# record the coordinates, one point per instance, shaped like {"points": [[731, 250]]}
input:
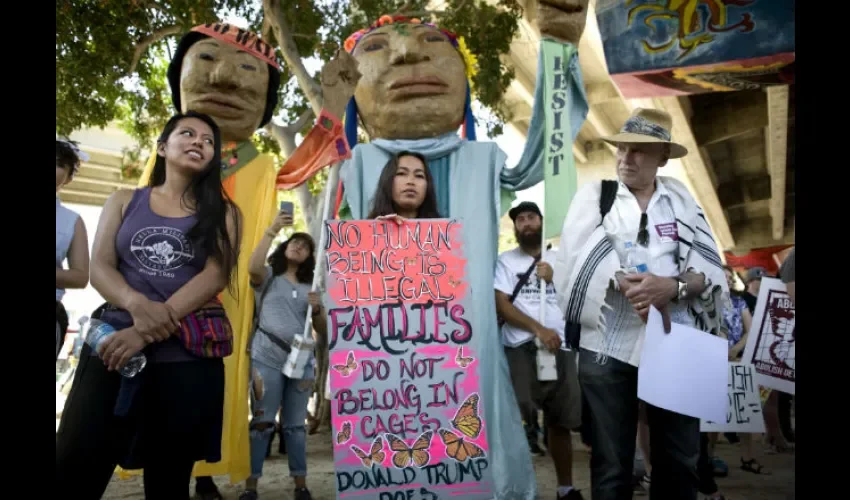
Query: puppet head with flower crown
{"points": [[416, 81]]}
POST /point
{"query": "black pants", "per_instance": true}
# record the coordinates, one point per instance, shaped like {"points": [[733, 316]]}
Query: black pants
{"points": [[91, 440], [610, 390], [705, 469], [62, 323], [784, 404]]}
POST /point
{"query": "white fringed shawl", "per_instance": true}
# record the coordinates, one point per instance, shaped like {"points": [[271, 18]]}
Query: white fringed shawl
{"points": [[586, 260]]}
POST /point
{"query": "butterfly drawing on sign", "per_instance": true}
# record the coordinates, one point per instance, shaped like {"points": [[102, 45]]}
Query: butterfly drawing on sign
{"points": [[345, 434], [349, 366], [411, 261], [468, 422], [454, 282], [376, 454], [406, 455], [466, 419], [462, 361]]}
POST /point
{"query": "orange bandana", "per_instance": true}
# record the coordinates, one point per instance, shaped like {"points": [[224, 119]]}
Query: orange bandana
{"points": [[244, 40]]}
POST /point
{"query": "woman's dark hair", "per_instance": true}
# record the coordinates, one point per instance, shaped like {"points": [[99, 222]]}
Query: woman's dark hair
{"points": [[211, 203], [66, 157], [277, 260], [383, 203]]}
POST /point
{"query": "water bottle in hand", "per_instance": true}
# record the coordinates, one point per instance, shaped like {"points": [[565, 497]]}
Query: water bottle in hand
{"points": [[636, 259], [97, 331]]}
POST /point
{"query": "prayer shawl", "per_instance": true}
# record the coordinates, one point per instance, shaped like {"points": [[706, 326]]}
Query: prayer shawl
{"points": [[586, 263]]}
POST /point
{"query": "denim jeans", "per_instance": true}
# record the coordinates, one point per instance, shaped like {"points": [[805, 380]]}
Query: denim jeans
{"points": [[610, 389], [292, 395]]}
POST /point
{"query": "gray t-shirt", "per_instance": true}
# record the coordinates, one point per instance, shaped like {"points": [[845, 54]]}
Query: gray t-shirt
{"points": [[283, 314]]}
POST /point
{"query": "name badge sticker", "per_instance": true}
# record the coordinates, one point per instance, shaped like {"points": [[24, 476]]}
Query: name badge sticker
{"points": [[668, 232]]}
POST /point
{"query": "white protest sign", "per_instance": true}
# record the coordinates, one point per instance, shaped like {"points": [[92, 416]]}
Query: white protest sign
{"points": [[744, 411], [771, 346], [684, 371]]}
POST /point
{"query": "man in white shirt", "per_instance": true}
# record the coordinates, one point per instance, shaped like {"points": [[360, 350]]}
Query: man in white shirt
{"points": [[606, 293], [559, 399]]}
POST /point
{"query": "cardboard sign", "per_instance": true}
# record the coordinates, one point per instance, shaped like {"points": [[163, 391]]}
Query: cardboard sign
{"points": [[405, 408], [744, 414], [771, 345]]}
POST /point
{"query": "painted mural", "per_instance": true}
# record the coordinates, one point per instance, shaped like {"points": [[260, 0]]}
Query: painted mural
{"points": [[677, 47]]}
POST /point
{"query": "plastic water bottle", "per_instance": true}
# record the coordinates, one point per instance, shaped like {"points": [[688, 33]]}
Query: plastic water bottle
{"points": [[97, 331], [636, 259]]}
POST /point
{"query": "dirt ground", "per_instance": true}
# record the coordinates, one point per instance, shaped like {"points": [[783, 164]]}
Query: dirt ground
{"points": [[276, 484]]}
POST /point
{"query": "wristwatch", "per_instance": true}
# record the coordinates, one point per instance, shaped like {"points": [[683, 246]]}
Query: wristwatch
{"points": [[682, 292]]}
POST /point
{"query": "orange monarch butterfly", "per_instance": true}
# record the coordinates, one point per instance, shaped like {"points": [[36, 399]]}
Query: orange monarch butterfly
{"points": [[466, 419], [405, 455], [345, 434], [375, 456], [468, 423], [458, 448], [411, 261], [349, 366], [453, 282], [461, 361]]}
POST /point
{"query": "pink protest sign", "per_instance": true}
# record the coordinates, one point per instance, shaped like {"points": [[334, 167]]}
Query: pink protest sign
{"points": [[407, 417]]}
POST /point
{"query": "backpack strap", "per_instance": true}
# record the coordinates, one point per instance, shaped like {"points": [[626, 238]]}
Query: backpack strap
{"points": [[607, 197], [523, 279]]}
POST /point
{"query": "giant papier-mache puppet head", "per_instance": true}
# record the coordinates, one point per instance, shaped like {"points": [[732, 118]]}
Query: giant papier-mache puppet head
{"points": [[227, 73], [416, 81]]}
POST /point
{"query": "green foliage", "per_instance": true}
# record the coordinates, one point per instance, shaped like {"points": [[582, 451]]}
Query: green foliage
{"points": [[488, 30], [96, 41]]}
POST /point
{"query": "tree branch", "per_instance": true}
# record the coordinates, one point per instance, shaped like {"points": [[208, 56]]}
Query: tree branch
{"points": [[285, 135], [301, 121], [283, 33], [149, 40], [267, 29], [400, 11]]}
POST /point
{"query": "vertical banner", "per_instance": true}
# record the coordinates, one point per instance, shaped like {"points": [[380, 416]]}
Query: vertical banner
{"points": [[744, 414], [405, 407], [559, 179], [771, 345]]}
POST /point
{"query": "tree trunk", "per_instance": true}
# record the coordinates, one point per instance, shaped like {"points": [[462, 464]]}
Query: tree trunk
{"points": [[313, 209], [312, 206]]}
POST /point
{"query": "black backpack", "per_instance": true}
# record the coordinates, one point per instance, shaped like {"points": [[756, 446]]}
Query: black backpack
{"points": [[572, 331]]}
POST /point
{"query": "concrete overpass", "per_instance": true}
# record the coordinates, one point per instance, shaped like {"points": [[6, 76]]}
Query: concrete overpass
{"points": [[741, 161]]}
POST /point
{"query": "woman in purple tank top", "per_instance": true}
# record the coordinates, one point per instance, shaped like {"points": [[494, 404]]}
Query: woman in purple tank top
{"points": [[160, 255]]}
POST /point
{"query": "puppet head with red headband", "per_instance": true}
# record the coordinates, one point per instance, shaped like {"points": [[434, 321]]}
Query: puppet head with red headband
{"points": [[227, 73]]}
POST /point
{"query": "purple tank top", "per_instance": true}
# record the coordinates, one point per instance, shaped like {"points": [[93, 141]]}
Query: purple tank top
{"points": [[154, 254], [157, 259]]}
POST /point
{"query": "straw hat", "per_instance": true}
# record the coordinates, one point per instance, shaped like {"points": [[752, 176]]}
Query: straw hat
{"points": [[648, 125]]}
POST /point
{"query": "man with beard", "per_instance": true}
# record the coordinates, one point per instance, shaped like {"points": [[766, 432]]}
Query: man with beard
{"points": [[517, 283]]}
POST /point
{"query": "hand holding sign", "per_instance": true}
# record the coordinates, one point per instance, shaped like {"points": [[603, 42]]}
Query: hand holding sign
{"points": [[398, 219]]}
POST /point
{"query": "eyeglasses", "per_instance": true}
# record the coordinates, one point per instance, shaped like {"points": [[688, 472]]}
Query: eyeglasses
{"points": [[643, 233]]}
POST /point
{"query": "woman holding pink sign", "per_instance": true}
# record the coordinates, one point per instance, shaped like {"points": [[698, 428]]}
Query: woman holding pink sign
{"points": [[405, 190]]}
